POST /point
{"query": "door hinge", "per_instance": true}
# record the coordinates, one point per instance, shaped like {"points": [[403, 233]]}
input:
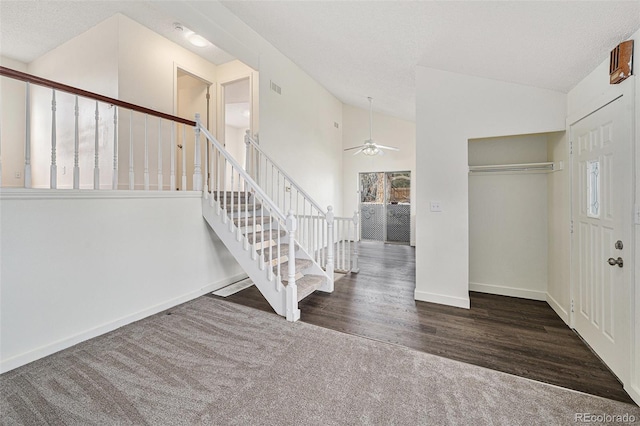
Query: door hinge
{"points": [[572, 305], [571, 226], [570, 147]]}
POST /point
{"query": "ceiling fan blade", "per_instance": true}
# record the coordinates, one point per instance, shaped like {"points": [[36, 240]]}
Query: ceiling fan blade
{"points": [[392, 148], [355, 147], [358, 151]]}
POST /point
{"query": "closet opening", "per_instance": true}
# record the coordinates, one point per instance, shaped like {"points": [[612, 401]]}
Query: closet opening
{"points": [[518, 226]]}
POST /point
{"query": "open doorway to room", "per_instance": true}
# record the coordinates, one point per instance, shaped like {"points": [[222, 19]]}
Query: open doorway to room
{"points": [[235, 101], [193, 97]]}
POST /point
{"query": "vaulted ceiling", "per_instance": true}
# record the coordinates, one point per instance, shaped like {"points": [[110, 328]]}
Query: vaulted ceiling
{"points": [[371, 48]]}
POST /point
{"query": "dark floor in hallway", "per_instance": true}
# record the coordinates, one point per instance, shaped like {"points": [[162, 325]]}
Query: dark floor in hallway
{"points": [[517, 336]]}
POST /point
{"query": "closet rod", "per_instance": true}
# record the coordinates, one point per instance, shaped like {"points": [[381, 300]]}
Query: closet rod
{"points": [[524, 167]]}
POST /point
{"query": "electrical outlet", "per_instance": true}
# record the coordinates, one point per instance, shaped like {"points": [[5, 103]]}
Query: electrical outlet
{"points": [[18, 175], [435, 206]]}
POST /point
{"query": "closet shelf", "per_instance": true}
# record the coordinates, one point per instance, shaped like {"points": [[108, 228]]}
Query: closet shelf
{"points": [[524, 167]]}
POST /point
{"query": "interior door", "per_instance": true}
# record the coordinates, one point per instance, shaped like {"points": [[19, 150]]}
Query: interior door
{"points": [[602, 216]]}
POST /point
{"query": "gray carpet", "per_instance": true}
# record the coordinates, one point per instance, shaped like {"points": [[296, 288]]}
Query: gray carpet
{"points": [[214, 362]]}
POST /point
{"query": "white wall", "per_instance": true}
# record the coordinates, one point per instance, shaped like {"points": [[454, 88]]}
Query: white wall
{"points": [[12, 117], [85, 274], [90, 62], [591, 93], [147, 66], [451, 109], [296, 127], [388, 131], [559, 219], [508, 218]]}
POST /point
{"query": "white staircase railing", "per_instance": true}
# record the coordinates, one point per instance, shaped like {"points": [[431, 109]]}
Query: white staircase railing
{"points": [[264, 237], [288, 256], [332, 240]]}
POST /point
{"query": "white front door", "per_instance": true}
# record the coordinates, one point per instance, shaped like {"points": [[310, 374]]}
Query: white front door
{"points": [[602, 216]]}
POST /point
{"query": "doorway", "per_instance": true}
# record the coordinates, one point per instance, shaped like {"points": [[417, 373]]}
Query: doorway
{"points": [[236, 110], [193, 94], [601, 205], [385, 206]]}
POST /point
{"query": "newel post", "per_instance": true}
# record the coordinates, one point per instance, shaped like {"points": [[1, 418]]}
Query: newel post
{"points": [[197, 168], [356, 228], [292, 311], [329, 267]]}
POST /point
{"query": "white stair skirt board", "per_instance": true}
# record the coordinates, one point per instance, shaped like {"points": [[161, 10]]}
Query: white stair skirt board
{"points": [[233, 288]]}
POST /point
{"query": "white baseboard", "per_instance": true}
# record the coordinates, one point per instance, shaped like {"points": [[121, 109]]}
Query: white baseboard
{"points": [[634, 393], [37, 353], [562, 313], [508, 291], [458, 302]]}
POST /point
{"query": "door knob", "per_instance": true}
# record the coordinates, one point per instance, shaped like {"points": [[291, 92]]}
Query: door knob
{"points": [[614, 262]]}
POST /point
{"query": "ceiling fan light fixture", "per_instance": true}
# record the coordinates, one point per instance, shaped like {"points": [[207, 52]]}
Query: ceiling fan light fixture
{"points": [[370, 147], [371, 150]]}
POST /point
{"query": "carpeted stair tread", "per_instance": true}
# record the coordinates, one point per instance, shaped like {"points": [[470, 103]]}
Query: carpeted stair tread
{"points": [[284, 250], [308, 284], [249, 221], [273, 235], [235, 207], [229, 195], [301, 265]]}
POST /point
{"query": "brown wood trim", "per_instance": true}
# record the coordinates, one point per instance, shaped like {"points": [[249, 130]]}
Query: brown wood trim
{"points": [[18, 75]]}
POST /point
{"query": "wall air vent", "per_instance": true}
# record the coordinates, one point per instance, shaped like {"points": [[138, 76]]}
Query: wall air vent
{"points": [[276, 88], [621, 62]]}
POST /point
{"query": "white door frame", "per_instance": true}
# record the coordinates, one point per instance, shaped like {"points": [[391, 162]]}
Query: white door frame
{"points": [[626, 93], [220, 103]]}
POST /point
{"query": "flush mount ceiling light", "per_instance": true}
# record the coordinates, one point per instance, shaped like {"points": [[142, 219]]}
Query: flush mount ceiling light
{"points": [[370, 147], [197, 40], [193, 38]]}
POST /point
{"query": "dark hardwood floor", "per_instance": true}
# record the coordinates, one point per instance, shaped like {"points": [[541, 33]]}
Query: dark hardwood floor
{"points": [[517, 336]]}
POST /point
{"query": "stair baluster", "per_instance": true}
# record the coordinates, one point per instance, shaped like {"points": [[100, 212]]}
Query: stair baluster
{"points": [[329, 267], [114, 177], [293, 313], [96, 167], [27, 138], [131, 172], [76, 147], [53, 176], [159, 155], [197, 169]]}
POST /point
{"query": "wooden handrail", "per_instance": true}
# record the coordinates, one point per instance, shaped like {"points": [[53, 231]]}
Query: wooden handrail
{"points": [[18, 75]]}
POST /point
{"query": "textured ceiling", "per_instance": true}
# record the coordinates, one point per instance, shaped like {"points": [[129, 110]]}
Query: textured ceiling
{"points": [[29, 29], [371, 48], [364, 48]]}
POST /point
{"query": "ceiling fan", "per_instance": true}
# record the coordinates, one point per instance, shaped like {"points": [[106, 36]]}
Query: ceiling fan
{"points": [[370, 147]]}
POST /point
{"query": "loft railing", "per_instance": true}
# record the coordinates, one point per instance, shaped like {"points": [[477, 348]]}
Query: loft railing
{"points": [[331, 240], [89, 131]]}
